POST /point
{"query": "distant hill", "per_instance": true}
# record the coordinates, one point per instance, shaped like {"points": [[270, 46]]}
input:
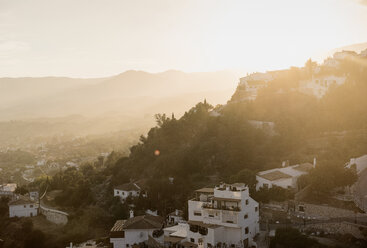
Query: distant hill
{"points": [[135, 93]]}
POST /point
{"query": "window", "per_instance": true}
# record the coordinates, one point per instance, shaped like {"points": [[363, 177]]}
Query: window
{"points": [[31, 206], [127, 245], [197, 213], [265, 185], [211, 215], [246, 216], [301, 208], [246, 201], [25, 206], [256, 209], [246, 230], [192, 240], [123, 193], [200, 241], [117, 192]]}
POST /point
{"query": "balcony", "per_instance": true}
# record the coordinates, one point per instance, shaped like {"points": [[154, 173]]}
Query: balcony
{"points": [[228, 208]]}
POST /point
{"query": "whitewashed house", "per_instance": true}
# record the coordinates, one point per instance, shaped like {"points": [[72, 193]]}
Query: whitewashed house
{"points": [[137, 230], [176, 234], [359, 164], [318, 86], [285, 177], [254, 82], [175, 217], [41, 162], [8, 189], [363, 53], [331, 63], [33, 194], [22, 207], [223, 216], [344, 54], [129, 189]]}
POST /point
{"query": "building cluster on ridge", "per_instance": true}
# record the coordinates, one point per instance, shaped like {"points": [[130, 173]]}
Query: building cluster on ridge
{"points": [[323, 77]]}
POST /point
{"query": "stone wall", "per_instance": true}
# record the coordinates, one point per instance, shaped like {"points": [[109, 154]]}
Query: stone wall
{"points": [[339, 228], [326, 211], [54, 216]]}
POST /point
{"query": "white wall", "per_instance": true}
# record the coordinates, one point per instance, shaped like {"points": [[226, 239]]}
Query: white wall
{"points": [[284, 182], [318, 86], [124, 194], [195, 206], [133, 236], [230, 233], [26, 210]]}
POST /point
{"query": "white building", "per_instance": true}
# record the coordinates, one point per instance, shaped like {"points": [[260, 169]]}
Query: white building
{"points": [[175, 217], [72, 164], [254, 82], [223, 216], [8, 189], [285, 177], [331, 62], [137, 230], [176, 234], [363, 53], [359, 164], [129, 189], [41, 162], [33, 195], [318, 86], [23, 207], [344, 54]]}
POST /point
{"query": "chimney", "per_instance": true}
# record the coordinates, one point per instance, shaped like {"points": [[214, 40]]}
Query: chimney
{"points": [[283, 164], [176, 212], [131, 213], [314, 162]]}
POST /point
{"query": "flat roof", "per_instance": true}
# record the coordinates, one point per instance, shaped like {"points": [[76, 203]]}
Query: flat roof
{"points": [[172, 239], [275, 175], [226, 199]]}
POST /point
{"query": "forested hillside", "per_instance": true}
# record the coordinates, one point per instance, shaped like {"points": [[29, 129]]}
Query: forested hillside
{"points": [[211, 144]]}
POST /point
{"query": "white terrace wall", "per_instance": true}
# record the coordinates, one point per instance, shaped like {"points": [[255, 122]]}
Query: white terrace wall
{"points": [[54, 216]]}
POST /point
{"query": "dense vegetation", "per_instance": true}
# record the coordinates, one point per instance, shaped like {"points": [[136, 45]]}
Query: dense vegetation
{"points": [[202, 148]]}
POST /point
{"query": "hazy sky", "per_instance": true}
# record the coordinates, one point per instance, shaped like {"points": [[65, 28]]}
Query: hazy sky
{"points": [[88, 38]]}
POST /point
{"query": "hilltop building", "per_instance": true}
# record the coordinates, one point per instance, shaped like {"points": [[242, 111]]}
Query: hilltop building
{"points": [[129, 189], [363, 53], [285, 177], [254, 82], [8, 189], [137, 230], [319, 85], [358, 164], [23, 207], [223, 216]]}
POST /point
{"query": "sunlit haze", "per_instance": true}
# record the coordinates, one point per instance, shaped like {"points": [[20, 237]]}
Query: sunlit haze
{"points": [[102, 38]]}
